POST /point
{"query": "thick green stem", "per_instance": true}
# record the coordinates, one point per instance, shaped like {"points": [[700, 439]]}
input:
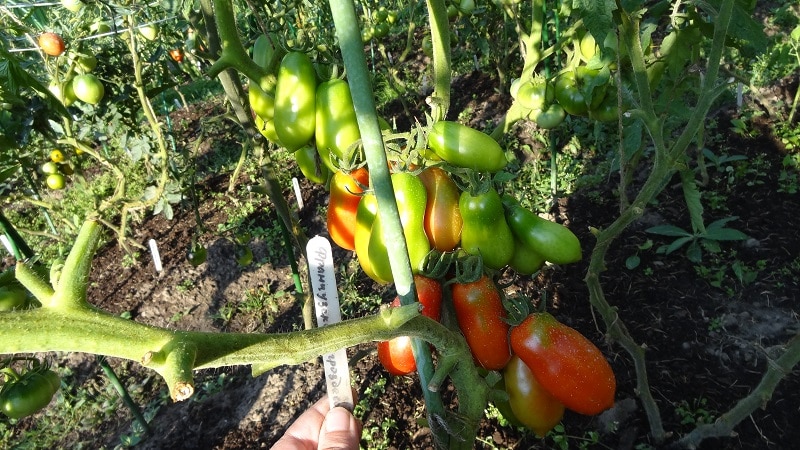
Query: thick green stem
{"points": [[440, 40], [723, 427]]}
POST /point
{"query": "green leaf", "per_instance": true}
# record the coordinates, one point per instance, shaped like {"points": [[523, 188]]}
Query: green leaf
{"points": [[796, 34], [724, 234], [694, 253], [692, 196], [678, 243], [668, 230], [744, 27], [597, 16], [721, 222], [632, 262]]}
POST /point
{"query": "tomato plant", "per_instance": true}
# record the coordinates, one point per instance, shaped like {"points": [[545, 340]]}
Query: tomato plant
{"points": [[51, 44], [529, 401], [568, 366], [481, 318]]}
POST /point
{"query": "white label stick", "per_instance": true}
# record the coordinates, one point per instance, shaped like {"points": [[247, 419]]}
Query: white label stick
{"points": [[326, 306], [156, 255], [297, 193]]}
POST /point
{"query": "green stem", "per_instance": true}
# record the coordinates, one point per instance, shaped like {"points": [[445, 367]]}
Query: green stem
{"points": [[20, 247], [663, 169], [126, 398], [440, 40]]}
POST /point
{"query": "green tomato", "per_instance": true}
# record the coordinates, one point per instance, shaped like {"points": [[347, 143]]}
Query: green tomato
{"points": [[553, 241], [535, 94], [28, 395], [593, 83], [12, 297], [569, 95], [86, 63], [244, 255], [525, 260], [294, 100], [197, 255], [382, 30], [466, 147], [336, 125], [608, 109], [49, 168], [262, 103], [310, 163], [485, 231], [550, 118], [56, 181], [150, 31], [588, 47], [67, 97], [88, 88]]}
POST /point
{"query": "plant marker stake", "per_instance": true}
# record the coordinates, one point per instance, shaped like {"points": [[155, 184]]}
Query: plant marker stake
{"points": [[6, 243], [156, 256], [326, 306], [297, 193]]}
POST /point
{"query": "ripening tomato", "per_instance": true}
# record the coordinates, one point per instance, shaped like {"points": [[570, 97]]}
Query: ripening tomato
{"points": [[176, 54], [481, 318], [442, 217], [346, 189], [395, 355], [565, 363], [51, 44], [529, 401]]}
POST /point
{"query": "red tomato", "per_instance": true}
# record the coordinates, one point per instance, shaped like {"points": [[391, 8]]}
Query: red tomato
{"points": [[567, 365], [51, 44], [442, 217], [345, 195], [529, 401], [395, 355], [481, 317]]}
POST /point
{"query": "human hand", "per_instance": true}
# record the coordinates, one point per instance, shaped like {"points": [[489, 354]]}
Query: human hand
{"points": [[321, 428]]}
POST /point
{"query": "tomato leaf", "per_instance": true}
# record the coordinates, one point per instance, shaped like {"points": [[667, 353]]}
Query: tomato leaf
{"points": [[668, 230], [597, 16]]}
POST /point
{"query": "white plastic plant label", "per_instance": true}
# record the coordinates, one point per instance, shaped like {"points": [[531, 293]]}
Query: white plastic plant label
{"points": [[6, 244], [326, 306], [297, 193], [156, 255]]}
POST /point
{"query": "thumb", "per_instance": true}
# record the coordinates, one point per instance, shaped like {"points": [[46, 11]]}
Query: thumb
{"points": [[340, 430]]}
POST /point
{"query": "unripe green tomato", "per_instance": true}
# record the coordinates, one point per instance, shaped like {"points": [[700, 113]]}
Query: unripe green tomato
{"points": [[55, 181], [67, 97], [551, 117], [49, 168], [86, 63], [536, 94], [294, 100], [485, 231], [88, 88], [262, 103], [466, 147], [467, 7], [336, 127], [150, 31]]}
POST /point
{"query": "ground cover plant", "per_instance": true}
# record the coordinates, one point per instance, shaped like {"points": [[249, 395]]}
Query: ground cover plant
{"points": [[597, 192]]}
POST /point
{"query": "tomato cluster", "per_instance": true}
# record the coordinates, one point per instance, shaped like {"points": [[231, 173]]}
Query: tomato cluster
{"points": [[56, 170]]}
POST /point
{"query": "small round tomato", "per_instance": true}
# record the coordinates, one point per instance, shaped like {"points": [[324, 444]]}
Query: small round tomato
{"points": [[49, 168], [244, 255], [86, 63], [28, 395], [176, 54], [88, 88], [197, 255], [51, 44], [56, 156], [551, 117], [150, 31], [569, 95], [55, 181]]}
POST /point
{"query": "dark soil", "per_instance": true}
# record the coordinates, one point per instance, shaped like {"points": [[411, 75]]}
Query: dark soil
{"points": [[706, 346]]}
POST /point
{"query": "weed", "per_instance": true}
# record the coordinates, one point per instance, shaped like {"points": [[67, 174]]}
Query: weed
{"points": [[694, 414]]}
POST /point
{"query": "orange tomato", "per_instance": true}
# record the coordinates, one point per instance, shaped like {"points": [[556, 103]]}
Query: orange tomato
{"points": [[346, 189]]}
